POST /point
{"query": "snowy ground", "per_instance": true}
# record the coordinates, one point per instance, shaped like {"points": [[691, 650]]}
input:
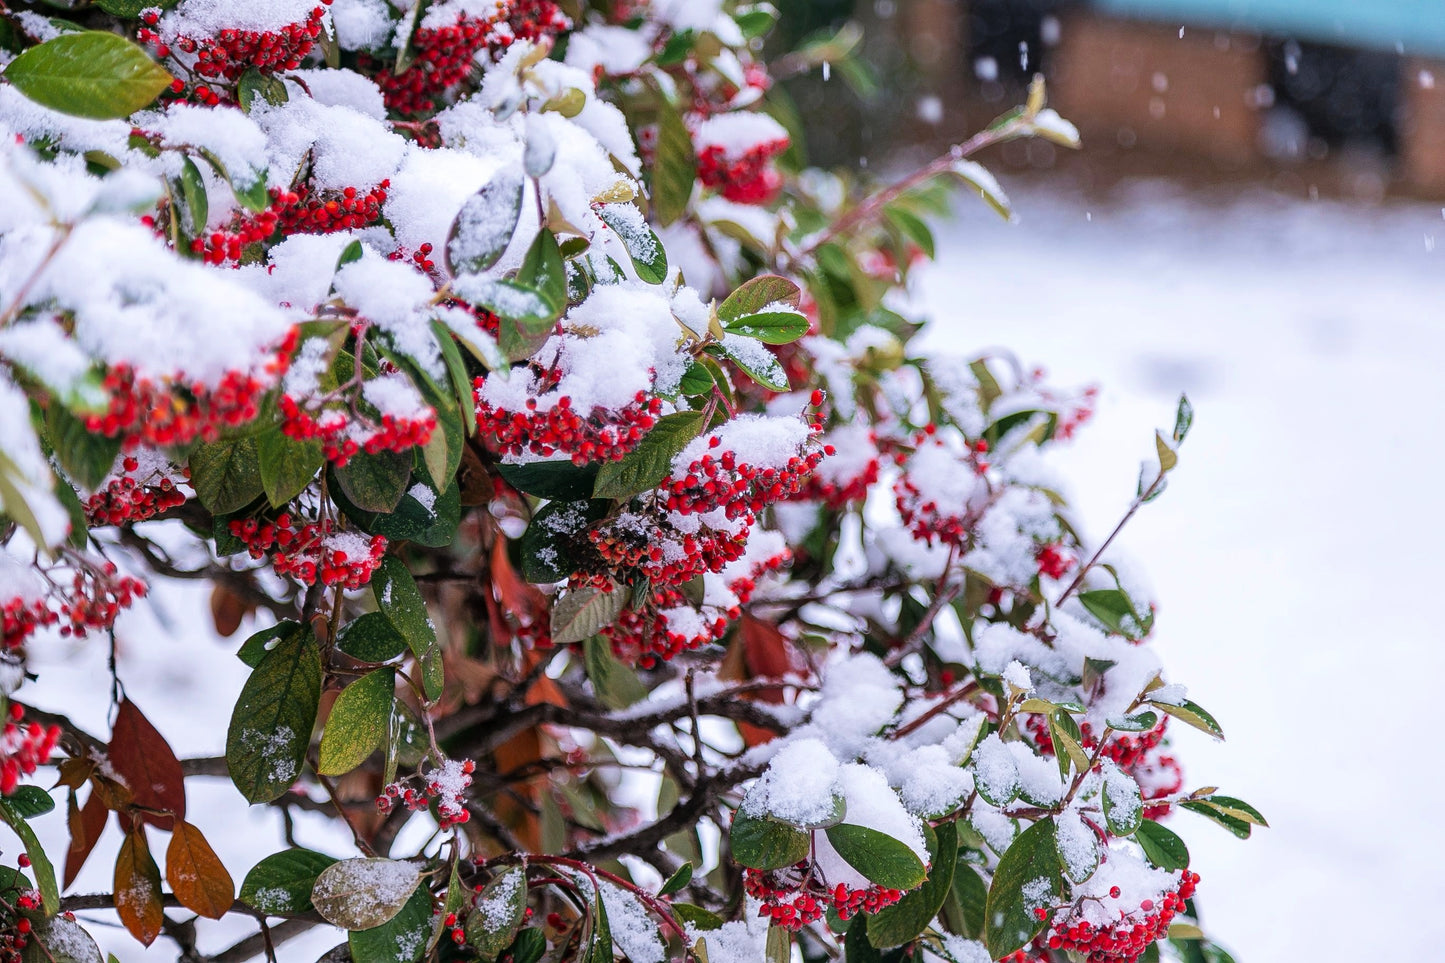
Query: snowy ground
{"points": [[1293, 553], [1290, 556]]}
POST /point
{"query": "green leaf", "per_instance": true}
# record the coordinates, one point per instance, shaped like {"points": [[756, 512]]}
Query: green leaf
{"points": [[771, 327], [1183, 420], [485, 225], [1193, 714], [971, 897], [528, 947], [559, 480], [401, 939], [905, 920], [756, 361], [677, 880], [188, 196], [1116, 611], [363, 893], [1134, 722], [757, 294], [30, 801], [398, 598], [512, 300], [765, 844], [674, 170], [357, 725], [130, 9], [272, 722], [226, 474], [375, 483], [649, 257], [1123, 805], [649, 463], [544, 270], [546, 545], [39, 862], [1032, 860], [254, 649], [1216, 814], [86, 457], [500, 909], [1068, 743], [93, 74], [281, 884], [779, 945], [878, 856], [1230, 806], [59, 940], [1161, 846], [255, 85], [412, 520], [696, 380], [582, 613], [697, 916], [977, 177], [370, 638], [617, 685], [287, 465]]}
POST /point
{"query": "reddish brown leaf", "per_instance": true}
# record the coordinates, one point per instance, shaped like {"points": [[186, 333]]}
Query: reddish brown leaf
{"points": [[227, 610], [519, 597], [769, 654], [138, 888], [143, 758], [86, 824], [196, 874]]}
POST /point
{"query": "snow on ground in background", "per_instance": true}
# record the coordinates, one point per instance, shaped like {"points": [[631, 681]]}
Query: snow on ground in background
{"points": [[1298, 535]]}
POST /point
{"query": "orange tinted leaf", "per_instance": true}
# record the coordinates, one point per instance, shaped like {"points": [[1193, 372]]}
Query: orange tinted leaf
{"points": [[196, 874], [227, 610], [143, 758], [86, 824], [138, 888]]}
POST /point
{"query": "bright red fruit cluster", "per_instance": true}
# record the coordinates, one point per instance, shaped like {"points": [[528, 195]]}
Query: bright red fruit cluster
{"points": [[749, 178], [650, 547], [444, 57], [597, 435], [127, 498], [23, 748], [740, 489], [1054, 561], [15, 929], [302, 212], [444, 787], [342, 438], [170, 412], [231, 53], [1126, 940], [97, 595], [794, 905], [315, 550]]}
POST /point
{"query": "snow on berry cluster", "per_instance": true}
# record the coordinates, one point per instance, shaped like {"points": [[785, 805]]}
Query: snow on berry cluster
{"points": [[735, 155], [214, 43], [745, 465], [1123, 908], [16, 929], [443, 788], [313, 551], [142, 485]]}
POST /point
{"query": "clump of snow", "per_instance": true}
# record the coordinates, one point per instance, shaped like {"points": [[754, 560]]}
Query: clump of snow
{"points": [[799, 786]]}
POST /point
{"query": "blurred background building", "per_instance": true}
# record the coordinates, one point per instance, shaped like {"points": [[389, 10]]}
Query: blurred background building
{"points": [[1308, 96]]}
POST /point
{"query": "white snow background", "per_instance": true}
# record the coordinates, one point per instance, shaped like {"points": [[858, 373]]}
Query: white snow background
{"points": [[1292, 556]]}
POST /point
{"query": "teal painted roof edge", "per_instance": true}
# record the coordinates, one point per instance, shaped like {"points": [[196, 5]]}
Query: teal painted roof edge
{"points": [[1415, 27]]}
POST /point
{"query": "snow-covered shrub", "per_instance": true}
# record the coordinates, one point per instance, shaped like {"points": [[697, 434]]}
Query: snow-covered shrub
{"points": [[501, 364]]}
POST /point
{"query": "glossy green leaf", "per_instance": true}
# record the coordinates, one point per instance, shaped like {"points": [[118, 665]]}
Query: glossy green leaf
{"points": [[1193, 714], [287, 465], [357, 724], [1239, 827], [484, 227], [649, 257], [582, 613], [1029, 877], [375, 483], [271, 725], [674, 170], [756, 361], [401, 939], [650, 462], [765, 844], [559, 480], [281, 884], [878, 856], [548, 545], [1161, 846], [500, 909], [226, 474], [677, 880], [771, 327], [93, 73], [758, 294], [905, 920], [363, 893], [85, 456], [39, 862], [29, 801], [616, 684]]}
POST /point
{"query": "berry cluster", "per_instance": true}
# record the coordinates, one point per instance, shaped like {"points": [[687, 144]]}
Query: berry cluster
{"points": [[1054, 561], [133, 495], [1125, 940], [792, 898], [597, 435], [422, 258], [23, 748], [927, 516], [315, 550], [300, 211], [739, 489], [227, 246], [231, 53], [95, 597], [170, 412], [445, 788], [636, 546], [342, 438], [750, 178], [15, 930]]}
